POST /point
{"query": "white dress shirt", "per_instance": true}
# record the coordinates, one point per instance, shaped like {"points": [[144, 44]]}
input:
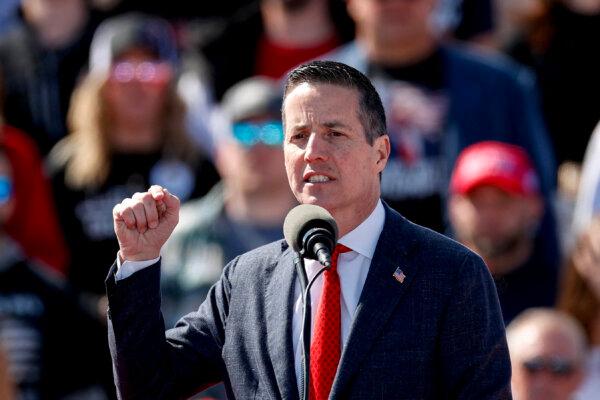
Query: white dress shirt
{"points": [[353, 268]]}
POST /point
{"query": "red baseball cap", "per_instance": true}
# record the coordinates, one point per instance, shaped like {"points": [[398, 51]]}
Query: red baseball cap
{"points": [[497, 164]]}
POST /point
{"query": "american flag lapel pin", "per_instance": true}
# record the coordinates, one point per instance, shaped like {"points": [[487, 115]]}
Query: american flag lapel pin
{"points": [[399, 275]]}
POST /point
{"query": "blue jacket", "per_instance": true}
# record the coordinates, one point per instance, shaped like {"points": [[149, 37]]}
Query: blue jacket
{"points": [[437, 335]]}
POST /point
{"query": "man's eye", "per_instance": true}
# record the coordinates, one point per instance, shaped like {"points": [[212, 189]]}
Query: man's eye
{"points": [[298, 136]]}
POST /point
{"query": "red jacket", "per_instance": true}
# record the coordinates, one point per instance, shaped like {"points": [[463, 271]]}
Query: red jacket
{"points": [[33, 224]]}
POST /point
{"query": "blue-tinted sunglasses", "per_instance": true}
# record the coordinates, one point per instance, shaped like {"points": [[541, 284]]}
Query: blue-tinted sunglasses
{"points": [[6, 189], [250, 134]]}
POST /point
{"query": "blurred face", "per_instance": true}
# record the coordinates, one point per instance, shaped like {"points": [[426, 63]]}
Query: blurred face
{"points": [[135, 91], [57, 22], [493, 221], [390, 20], [253, 160], [546, 365], [327, 158]]}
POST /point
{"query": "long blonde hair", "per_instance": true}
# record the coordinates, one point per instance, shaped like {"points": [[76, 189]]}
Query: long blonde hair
{"points": [[86, 152]]}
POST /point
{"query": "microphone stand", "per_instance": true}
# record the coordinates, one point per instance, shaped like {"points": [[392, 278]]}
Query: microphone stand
{"points": [[306, 322]]}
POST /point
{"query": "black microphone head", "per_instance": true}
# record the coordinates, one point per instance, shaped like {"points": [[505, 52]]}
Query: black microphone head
{"points": [[304, 217]]}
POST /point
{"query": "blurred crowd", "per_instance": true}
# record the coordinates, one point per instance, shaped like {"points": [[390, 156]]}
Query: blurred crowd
{"points": [[495, 142]]}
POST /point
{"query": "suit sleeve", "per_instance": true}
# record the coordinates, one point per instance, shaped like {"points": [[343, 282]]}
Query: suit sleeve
{"points": [[473, 342], [151, 363]]}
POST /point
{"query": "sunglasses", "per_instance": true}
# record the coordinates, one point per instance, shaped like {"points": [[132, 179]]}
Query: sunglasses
{"points": [[145, 72], [557, 366], [249, 134], [6, 189]]}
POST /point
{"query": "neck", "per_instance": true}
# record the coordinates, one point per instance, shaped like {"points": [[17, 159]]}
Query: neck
{"points": [[348, 220], [504, 263], [266, 207], [399, 52], [138, 138], [305, 27]]}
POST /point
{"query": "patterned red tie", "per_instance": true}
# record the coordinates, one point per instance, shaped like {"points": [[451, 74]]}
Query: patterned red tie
{"points": [[325, 349]]}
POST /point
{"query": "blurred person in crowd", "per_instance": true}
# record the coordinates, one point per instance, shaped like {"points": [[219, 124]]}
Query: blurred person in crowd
{"points": [[34, 222], [580, 297], [7, 390], [50, 343], [558, 40], [269, 37], [127, 132], [439, 99], [495, 208], [42, 60], [246, 210], [547, 351]]}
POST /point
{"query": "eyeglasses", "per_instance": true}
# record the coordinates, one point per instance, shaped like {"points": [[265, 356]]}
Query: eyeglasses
{"points": [[6, 189], [555, 365], [146, 72], [249, 134]]}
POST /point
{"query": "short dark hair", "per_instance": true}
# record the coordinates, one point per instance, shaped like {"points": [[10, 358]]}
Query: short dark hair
{"points": [[371, 113]]}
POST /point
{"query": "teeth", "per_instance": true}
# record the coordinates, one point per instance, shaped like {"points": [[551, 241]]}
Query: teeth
{"points": [[318, 178]]}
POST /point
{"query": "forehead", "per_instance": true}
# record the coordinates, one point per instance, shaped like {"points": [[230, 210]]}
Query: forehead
{"points": [[546, 341], [321, 99]]}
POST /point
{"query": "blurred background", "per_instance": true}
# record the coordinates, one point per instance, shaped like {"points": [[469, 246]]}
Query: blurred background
{"points": [[494, 120]]}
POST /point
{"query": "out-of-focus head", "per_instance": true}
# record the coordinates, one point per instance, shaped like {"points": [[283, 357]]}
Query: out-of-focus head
{"points": [[56, 22], [389, 21], [547, 350], [495, 202], [249, 152], [137, 56]]}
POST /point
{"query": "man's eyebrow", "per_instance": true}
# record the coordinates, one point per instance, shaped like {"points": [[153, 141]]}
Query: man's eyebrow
{"points": [[336, 124], [329, 124]]}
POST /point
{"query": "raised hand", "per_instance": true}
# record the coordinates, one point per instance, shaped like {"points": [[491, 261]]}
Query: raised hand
{"points": [[144, 222]]}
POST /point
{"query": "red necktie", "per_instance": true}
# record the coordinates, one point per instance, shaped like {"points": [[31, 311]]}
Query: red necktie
{"points": [[326, 348]]}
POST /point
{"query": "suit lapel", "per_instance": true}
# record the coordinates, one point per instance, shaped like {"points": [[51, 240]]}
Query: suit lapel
{"points": [[379, 297], [279, 313]]}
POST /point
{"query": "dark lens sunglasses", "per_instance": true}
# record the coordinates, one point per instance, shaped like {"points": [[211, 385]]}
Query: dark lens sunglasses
{"points": [[555, 365]]}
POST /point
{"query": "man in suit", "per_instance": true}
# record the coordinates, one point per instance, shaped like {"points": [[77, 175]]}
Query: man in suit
{"points": [[417, 314]]}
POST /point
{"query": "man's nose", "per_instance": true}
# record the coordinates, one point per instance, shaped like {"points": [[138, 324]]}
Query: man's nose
{"points": [[316, 149]]}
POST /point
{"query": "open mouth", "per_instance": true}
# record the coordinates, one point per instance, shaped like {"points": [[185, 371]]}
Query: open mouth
{"points": [[317, 179]]}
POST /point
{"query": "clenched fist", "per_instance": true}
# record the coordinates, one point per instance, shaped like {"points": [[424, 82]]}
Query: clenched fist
{"points": [[144, 222]]}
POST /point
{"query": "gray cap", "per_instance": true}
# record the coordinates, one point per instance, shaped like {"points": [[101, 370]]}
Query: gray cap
{"points": [[252, 97], [119, 34]]}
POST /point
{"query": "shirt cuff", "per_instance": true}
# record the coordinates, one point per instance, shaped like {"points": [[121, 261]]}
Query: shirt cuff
{"points": [[128, 268]]}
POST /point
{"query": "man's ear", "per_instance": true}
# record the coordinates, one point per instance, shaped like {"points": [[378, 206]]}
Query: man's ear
{"points": [[352, 8], [535, 206], [383, 149]]}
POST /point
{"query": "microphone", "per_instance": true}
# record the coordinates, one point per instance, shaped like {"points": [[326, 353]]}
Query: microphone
{"points": [[312, 232]]}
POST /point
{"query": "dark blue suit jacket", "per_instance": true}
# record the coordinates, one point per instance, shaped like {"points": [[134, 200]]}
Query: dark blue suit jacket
{"points": [[437, 335]]}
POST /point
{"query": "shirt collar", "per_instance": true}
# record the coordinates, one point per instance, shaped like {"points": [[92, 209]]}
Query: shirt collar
{"points": [[363, 239]]}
